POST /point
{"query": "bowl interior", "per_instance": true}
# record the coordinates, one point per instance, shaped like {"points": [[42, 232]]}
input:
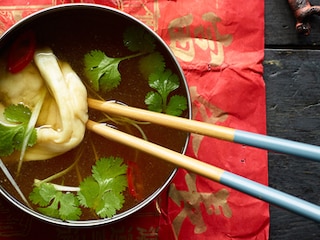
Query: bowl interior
{"points": [[71, 31]]}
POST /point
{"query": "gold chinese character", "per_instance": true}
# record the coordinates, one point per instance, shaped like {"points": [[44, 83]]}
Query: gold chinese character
{"points": [[181, 42], [206, 112], [212, 39], [205, 41], [191, 201]]}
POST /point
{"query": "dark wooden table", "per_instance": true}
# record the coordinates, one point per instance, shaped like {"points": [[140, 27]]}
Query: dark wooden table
{"points": [[292, 77]]}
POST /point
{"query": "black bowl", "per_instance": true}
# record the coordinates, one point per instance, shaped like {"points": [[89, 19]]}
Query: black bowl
{"points": [[85, 26]]}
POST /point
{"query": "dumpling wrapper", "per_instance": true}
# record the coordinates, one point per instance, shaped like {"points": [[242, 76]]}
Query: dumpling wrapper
{"points": [[64, 113]]}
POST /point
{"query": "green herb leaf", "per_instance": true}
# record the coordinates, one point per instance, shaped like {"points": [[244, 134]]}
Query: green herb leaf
{"points": [[164, 83], [153, 62], [17, 113], [43, 194], [111, 201], [89, 194], [136, 39], [69, 207], [102, 71], [103, 191], [108, 168], [176, 105], [154, 101], [13, 132], [54, 203]]}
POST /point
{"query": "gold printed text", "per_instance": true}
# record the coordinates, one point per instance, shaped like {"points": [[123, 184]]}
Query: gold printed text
{"points": [[191, 201], [203, 41]]}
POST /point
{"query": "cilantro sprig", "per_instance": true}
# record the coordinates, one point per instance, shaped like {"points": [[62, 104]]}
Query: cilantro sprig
{"points": [[13, 130], [55, 203], [102, 192], [103, 72], [164, 83]]}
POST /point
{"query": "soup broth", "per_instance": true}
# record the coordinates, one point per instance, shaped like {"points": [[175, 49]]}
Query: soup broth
{"points": [[71, 36]]}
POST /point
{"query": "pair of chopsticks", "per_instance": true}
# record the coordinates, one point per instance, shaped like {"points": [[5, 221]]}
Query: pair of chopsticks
{"points": [[252, 188]]}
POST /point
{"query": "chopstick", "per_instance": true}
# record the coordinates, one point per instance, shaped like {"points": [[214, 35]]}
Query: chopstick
{"points": [[252, 188], [304, 150]]}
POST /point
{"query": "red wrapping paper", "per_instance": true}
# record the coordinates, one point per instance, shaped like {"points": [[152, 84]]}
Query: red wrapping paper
{"points": [[220, 46]]}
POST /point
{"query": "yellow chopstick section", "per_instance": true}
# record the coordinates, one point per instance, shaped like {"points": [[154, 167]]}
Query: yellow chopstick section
{"points": [[180, 123], [168, 155]]}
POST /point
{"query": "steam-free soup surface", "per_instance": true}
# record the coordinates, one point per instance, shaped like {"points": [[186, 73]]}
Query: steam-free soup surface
{"points": [[71, 36]]}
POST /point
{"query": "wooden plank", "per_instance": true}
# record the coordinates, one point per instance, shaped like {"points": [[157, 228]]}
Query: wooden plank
{"points": [[292, 80], [280, 26]]}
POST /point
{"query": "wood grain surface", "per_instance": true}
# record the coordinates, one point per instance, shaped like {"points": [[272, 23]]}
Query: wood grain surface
{"points": [[292, 77]]}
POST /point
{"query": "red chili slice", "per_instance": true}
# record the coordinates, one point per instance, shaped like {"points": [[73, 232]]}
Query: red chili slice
{"points": [[131, 185], [21, 52]]}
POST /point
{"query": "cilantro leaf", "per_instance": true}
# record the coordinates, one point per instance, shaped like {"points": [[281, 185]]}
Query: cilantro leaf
{"points": [[111, 201], [164, 83], [17, 113], [13, 132], [136, 39], [43, 194], [9, 139], [103, 191], [55, 203], [176, 105], [69, 207], [107, 168], [102, 70], [154, 101], [89, 194], [153, 62]]}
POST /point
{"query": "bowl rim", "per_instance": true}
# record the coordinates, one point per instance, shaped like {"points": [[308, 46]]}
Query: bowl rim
{"points": [[119, 216]]}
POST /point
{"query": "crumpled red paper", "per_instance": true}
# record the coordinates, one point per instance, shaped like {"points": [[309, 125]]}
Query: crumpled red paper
{"points": [[220, 46]]}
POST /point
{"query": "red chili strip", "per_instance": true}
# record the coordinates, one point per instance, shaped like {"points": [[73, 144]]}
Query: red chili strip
{"points": [[130, 175], [21, 52]]}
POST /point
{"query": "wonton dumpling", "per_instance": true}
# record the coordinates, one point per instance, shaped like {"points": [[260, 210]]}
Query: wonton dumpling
{"points": [[63, 115], [22, 87]]}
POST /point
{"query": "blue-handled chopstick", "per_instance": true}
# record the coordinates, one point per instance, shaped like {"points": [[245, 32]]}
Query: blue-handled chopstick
{"points": [[234, 181], [271, 195], [280, 145], [304, 150]]}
